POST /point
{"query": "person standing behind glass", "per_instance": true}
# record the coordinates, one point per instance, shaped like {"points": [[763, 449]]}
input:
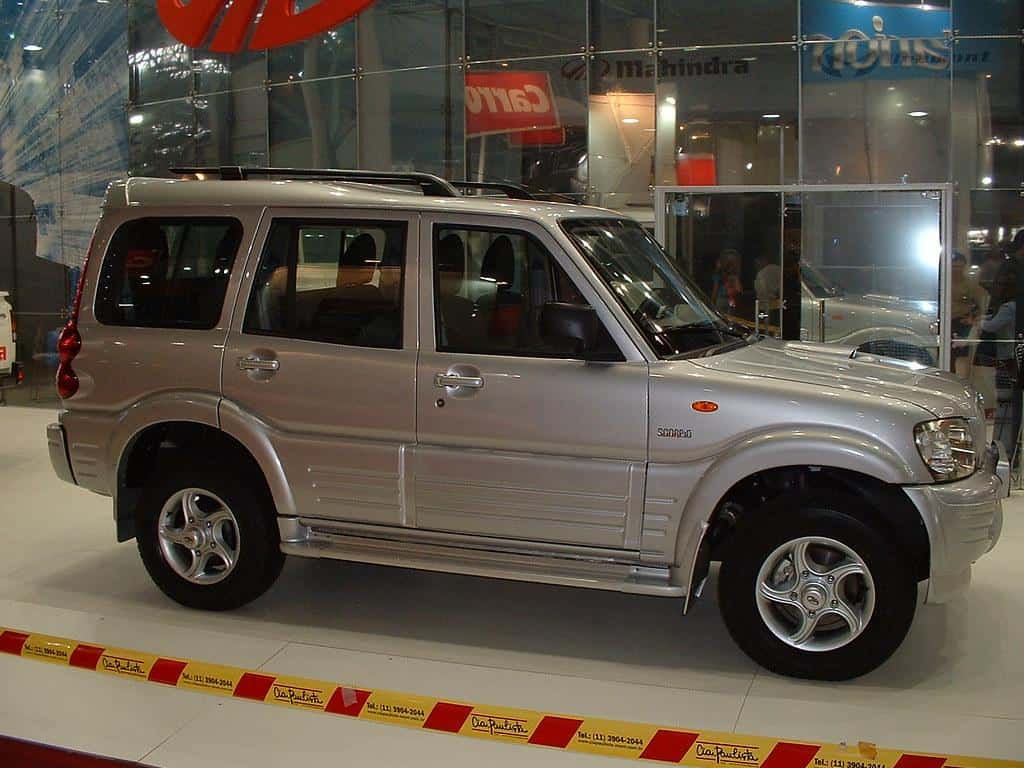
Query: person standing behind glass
{"points": [[1009, 289], [969, 300], [726, 286]]}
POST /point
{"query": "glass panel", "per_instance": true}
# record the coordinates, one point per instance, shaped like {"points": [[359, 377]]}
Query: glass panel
{"points": [[221, 72], [876, 103], [869, 265], [988, 17], [333, 282], [164, 273], [508, 29], [232, 128], [621, 24], [526, 122], [727, 116], [395, 34], [698, 22], [159, 66], [492, 290], [412, 121], [988, 113], [161, 136], [622, 133], [327, 55], [730, 245], [987, 325], [313, 124]]}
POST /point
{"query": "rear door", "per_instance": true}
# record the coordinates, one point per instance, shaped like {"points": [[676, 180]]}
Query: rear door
{"points": [[322, 350]]}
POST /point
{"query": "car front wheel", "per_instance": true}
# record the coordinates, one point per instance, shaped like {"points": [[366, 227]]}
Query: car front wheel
{"points": [[813, 589]]}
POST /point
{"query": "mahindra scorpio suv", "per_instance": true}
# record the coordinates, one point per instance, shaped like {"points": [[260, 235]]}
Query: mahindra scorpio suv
{"points": [[394, 369]]}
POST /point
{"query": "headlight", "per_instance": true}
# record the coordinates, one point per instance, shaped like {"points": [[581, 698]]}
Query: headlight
{"points": [[947, 447]]}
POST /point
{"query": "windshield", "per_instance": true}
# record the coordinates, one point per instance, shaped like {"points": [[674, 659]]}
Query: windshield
{"points": [[817, 283], [668, 308]]}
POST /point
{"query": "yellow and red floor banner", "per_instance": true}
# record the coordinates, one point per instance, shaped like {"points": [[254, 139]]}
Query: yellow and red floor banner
{"points": [[576, 733]]}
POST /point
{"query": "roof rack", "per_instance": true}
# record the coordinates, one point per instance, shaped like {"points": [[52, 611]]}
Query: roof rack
{"points": [[513, 191], [429, 183]]}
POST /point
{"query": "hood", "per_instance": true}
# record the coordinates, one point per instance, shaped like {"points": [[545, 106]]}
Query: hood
{"points": [[839, 367]]}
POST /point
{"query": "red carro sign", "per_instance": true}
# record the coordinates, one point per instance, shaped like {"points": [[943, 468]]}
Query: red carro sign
{"points": [[279, 24], [509, 102]]}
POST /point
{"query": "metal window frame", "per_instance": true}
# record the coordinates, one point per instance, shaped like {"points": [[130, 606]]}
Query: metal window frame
{"points": [[946, 201]]}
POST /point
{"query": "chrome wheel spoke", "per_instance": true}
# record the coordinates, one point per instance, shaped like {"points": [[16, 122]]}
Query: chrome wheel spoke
{"points": [[198, 565], [847, 613], [798, 556], [204, 547], [219, 517], [224, 553], [781, 596], [841, 572], [190, 507], [176, 536], [805, 631]]}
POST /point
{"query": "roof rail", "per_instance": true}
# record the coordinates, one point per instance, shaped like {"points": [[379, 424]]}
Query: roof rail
{"points": [[430, 184], [513, 191]]}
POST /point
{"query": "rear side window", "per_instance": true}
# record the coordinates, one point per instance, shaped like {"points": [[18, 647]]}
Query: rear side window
{"points": [[167, 273], [333, 281]]}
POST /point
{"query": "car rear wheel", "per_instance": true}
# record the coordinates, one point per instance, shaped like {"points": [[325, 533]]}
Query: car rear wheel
{"points": [[812, 589], [209, 541]]}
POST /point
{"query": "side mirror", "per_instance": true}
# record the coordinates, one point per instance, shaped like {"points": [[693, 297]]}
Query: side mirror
{"points": [[576, 323]]}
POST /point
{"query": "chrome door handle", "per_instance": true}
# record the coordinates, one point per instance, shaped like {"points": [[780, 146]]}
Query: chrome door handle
{"points": [[253, 363], [442, 380]]}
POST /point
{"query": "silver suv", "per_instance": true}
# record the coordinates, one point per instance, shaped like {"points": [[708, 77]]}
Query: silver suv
{"points": [[343, 366]]}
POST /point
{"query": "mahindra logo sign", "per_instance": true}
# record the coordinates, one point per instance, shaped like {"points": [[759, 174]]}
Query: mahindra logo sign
{"points": [[278, 24]]}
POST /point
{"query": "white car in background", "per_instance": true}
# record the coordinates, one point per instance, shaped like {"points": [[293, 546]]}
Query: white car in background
{"points": [[10, 372]]}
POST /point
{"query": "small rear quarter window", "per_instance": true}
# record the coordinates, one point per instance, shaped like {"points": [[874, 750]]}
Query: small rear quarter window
{"points": [[167, 273]]}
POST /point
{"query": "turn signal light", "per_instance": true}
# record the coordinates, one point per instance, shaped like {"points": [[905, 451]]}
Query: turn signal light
{"points": [[704, 406]]}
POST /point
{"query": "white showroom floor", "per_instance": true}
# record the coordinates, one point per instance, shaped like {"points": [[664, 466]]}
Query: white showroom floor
{"points": [[956, 685]]}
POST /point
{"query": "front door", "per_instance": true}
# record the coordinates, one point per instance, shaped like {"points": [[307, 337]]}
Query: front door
{"points": [[518, 437], [322, 350]]}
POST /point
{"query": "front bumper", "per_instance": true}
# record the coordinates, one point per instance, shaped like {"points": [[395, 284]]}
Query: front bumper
{"points": [[57, 441], [964, 520]]}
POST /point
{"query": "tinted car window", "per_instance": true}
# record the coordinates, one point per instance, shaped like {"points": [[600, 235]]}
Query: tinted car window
{"points": [[167, 273], [336, 282], [490, 288]]}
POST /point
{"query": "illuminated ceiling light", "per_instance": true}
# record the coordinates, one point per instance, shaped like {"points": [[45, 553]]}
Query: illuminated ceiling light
{"points": [[988, 76], [750, 166], [670, 99], [631, 120], [32, 48], [917, 113], [135, 120], [891, 88], [1018, 142], [987, 181], [771, 116]]}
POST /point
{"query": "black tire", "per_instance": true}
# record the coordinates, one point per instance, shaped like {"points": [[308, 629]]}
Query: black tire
{"points": [[259, 559], [832, 516]]}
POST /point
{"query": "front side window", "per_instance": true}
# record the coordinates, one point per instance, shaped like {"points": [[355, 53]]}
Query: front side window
{"points": [[167, 273], [330, 281], [490, 290], [670, 310]]}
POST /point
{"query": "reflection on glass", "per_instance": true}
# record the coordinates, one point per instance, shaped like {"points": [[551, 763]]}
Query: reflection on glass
{"points": [[876, 92], [330, 54], [221, 72], [506, 29], [730, 245], [621, 24], [622, 133], [161, 136], [313, 124], [395, 34], [988, 113], [726, 116], [412, 120], [725, 22], [160, 66], [526, 122], [869, 265], [232, 128]]}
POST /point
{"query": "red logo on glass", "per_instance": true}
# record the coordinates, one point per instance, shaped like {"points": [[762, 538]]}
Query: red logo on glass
{"points": [[279, 24]]}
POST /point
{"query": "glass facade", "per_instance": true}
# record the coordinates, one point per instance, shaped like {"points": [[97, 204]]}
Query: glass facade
{"points": [[600, 100]]}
